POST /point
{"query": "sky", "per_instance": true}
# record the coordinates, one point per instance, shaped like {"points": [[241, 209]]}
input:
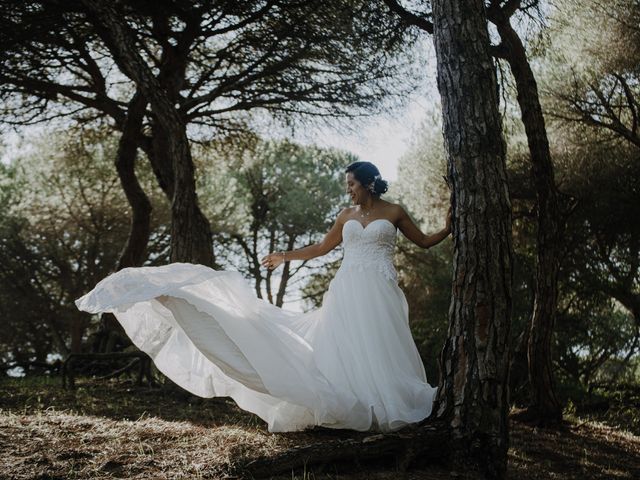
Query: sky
{"points": [[385, 138], [382, 141]]}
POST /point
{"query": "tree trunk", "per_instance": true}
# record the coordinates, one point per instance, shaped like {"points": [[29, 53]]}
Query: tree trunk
{"points": [[191, 239], [269, 276], [58, 340], [76, 330], [286, 273], [161, 163], [133, 254], [473, 392], [544, 406]]}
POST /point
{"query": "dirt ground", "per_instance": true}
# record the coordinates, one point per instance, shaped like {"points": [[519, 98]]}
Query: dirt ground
{"points": [[117, 430]]}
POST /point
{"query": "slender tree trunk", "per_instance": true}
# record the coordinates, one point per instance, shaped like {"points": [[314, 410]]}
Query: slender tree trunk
{"points": [[133, 254], [191, 239], [58, 340], [253, 258], [269, 276], [473, 391], [544, 406], [286, 274], [78, 326]]}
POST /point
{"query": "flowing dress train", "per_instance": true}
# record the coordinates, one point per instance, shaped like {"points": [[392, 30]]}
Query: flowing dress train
{"points": [[351, 364]]}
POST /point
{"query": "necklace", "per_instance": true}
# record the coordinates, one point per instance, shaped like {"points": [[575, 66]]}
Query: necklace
{"points": [[366, 214]]}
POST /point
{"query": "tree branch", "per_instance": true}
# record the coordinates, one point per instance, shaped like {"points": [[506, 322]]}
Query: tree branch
{"points": [[409, 17]]}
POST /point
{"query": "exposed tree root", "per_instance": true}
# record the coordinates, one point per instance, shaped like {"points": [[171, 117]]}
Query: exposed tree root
{"points": [[407, 447]]}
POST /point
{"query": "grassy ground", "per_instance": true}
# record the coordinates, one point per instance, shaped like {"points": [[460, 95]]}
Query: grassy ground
{"points": [[116, 430]]}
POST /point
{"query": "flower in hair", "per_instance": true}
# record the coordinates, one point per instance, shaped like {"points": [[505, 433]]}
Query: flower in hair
{"points": [[372, 185]]}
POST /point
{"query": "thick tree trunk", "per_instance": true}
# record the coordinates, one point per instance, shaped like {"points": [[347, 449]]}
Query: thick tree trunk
{"points": [[473, 391], [161, 163], [191, 239], [544, 406]]}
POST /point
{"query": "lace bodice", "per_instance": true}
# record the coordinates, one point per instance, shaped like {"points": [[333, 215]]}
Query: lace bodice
{"points": [[369, 247]]}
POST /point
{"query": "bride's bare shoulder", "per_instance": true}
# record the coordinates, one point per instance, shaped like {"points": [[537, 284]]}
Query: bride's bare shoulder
{"points": [[392, 208], [394, 212], [345, 214]]}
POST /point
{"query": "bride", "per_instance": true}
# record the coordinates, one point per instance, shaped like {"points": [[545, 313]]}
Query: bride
{"points": [[351, 364]]}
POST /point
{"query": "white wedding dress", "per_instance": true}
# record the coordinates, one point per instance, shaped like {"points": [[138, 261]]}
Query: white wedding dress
{"points": [[350, 364]]}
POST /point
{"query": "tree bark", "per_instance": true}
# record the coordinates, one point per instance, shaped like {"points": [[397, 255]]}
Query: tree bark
{"points": [[191, 239], [473, 392], [133, 253], [544, 406], [286, 274], [161, 163], [76, 330]]}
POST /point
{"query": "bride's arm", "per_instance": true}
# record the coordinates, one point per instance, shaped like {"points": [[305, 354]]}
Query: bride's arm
{"points": [[413, 233], [330, 241]]}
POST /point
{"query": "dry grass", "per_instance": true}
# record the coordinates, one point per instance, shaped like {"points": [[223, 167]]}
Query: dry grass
{"points": [[64, 445], [577, 450], [120, 431]]}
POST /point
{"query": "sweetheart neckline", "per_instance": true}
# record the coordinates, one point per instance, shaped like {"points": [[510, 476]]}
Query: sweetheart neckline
{"points": [[364, 227]]}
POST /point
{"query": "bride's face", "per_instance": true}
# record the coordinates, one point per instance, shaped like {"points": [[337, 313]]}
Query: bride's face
{"points": [[355, 190]]}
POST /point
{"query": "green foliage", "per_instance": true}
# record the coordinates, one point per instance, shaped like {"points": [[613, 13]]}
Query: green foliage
{"points": [[425, 275], [425, 278], [65, 222], [614, 405], [292, 59], [265, 196], [420, 186], [600, 287], [593, 91], [316, 287]]}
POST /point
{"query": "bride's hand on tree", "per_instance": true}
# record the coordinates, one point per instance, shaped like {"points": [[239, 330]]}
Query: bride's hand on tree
{"points": [[447, 225], [272, 260]]}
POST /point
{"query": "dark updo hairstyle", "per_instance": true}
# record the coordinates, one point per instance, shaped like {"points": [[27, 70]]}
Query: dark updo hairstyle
{"points": [[369, 177]]}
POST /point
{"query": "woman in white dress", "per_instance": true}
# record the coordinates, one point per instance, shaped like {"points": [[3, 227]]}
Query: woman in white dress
{"points": [[351, 364]]}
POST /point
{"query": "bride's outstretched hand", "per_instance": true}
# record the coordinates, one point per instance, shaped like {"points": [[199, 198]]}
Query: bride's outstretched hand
{"points": [[272, 260]]}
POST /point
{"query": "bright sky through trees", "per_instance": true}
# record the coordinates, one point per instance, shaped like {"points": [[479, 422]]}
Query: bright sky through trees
{"points": [[383, 139]]}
